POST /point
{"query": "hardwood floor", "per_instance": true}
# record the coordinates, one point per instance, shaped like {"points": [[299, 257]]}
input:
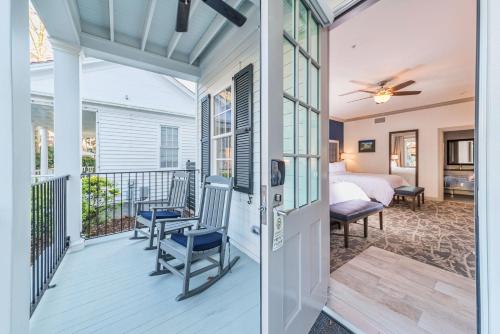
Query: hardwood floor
{"points": [[383, 292]]}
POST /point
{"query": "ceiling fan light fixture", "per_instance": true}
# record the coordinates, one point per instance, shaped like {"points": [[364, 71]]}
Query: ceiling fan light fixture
{"points": [[382, 97]]}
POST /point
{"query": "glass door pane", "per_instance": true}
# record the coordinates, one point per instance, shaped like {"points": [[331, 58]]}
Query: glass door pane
{"points": [[288, 126], [289, 17], [288, 67], [289, 185], [302, 78]]}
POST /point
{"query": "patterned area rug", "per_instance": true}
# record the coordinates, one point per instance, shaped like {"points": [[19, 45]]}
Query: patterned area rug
{"points": [[440, 234]]}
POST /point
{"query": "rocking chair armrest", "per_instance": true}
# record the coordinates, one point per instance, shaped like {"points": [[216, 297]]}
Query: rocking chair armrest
{"points": [[184, 223], [155, 201], [166, 208], [194, 233], [179, 219]]}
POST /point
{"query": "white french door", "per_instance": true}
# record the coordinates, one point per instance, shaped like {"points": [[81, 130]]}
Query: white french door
{"points": [[295, 130]]}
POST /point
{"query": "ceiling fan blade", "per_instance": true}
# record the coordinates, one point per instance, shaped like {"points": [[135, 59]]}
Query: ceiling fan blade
{"points": [[407, 92], [364, 98], [368, 91], [227, 11], [349, 93], [362, 83], [403, 85], [393, 77], [182, 15]]}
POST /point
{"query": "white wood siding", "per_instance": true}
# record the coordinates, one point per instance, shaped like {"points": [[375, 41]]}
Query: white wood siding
{"points": [[130, 139], [216, 77]]}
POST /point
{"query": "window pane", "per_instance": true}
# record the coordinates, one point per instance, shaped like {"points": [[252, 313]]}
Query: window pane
{"points": [[163, 158], [289, 185], [302, 130], [224, 168], [289, 17], [314, 87], [302, 78], [163, 136], [314, 51], [288, 68], [314, 180], [302, 25], [288, 126], [302, 189], [314, 133]]}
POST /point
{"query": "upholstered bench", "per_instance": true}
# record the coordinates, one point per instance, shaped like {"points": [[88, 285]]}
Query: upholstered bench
{"points": [[413, 192], [352, 211]]}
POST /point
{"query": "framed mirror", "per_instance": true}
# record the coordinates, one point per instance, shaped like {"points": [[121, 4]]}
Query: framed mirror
{"points": [[403, 155], [460, 151]]}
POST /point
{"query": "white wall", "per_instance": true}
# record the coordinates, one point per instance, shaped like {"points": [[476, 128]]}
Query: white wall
{"points": [[427, 121], [130, 139], [104, 81], [216, 77]]}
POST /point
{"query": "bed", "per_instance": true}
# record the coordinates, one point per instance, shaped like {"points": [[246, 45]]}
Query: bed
{"points": [[376, 186], [407, 173]]}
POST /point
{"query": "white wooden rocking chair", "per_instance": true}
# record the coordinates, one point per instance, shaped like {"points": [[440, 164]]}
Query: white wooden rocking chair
{"points": [[206, 236]]}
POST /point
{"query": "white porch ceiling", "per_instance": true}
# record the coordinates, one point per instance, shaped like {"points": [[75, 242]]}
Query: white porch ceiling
{"points": [[139, 33], [434, 41]]}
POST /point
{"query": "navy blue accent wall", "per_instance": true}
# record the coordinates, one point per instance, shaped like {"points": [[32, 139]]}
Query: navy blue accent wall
{"points": [[337, 133]]}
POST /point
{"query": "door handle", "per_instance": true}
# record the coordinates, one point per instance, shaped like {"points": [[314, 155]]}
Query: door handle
{"points": [[284, 213]]}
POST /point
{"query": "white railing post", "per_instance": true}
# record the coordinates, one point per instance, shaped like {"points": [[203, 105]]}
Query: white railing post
{"points": [[68, 132], [15, 120]]}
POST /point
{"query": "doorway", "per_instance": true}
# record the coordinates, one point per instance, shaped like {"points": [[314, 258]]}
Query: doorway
{"points": [[374, 285]]}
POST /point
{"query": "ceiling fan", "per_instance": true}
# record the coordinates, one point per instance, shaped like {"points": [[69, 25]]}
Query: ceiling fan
{"points": [[218, 5], [383, 93]]}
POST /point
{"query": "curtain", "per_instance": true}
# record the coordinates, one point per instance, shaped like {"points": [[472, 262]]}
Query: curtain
{"points": [[397, 149]]}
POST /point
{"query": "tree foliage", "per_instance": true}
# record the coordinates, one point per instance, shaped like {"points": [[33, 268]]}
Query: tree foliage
{"points": [[98, 197]]}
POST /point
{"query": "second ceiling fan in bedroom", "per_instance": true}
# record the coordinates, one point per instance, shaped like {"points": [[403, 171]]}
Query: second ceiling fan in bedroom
{"points": [[381, 92], [218, 5]]}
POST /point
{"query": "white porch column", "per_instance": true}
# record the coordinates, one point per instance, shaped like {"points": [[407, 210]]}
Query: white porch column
{"points": [[15, 123], [44, 151], [68, 132]]}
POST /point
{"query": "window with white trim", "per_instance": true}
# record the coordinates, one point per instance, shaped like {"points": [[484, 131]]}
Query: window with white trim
{"points": [[169, 147], [222, 133]]}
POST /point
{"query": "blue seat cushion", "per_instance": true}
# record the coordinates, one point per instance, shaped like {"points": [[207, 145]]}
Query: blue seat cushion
{"points": [[201, 242], [159, 214]]}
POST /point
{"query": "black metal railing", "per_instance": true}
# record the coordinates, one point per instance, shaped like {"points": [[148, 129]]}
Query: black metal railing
{"points": [[108, 197], [49, 240]]}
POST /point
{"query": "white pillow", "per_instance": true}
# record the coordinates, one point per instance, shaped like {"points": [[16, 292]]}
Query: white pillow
{"points": [[337, 167], [346, 191]]}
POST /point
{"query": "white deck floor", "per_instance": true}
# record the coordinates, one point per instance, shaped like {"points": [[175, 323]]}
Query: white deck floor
{"points": [[105, 288]]}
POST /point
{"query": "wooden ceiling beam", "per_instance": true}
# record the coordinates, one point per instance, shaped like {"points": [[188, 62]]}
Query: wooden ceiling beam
{"points": [[147, 23]]}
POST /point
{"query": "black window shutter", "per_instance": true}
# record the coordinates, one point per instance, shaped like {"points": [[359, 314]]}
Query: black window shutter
{"points": [[205, 136], [243, 130]]}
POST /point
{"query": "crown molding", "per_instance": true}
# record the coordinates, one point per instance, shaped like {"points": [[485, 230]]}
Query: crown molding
{"points": [[401, 111]]}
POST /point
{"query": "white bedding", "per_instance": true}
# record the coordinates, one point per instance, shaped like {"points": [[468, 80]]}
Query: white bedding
{"points": [[407, 173], [376, 186], [346, 191]]}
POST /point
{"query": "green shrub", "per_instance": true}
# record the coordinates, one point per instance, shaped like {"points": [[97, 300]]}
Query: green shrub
{"points": [[98, 196]]}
